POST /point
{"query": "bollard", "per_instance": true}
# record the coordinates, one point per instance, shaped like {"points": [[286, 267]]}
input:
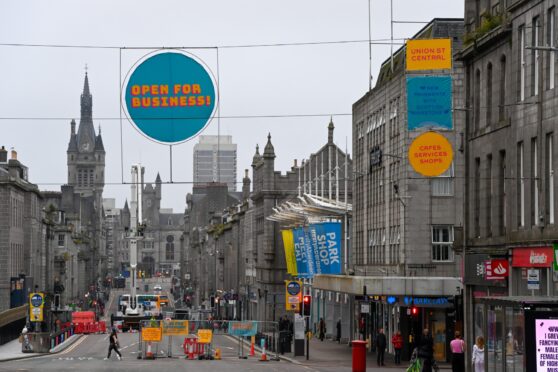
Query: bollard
{"points": [[359, 356], [217, 353]]}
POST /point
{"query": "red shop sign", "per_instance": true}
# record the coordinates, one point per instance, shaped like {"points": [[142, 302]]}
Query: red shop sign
{"points": [[497, 269], [533, 257]]}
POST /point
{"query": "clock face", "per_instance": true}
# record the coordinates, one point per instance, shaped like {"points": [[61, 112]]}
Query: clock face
{"points": [[85, 147]]}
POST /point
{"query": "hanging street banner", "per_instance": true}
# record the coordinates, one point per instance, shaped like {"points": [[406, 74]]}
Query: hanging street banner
{"points": [[290, 258], [293, 295], [303, 254], [169, 96], [36, 305], [242, 329], [429, 102], [428, 54], [430, 154], [326, 243]]}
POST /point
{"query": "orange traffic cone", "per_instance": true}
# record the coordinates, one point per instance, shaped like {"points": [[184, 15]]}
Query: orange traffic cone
{"points": [[264, 355], [149, 353], [252, 351]]}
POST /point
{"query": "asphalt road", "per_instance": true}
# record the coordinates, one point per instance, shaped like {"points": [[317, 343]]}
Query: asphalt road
{"points": [[88, 354]]}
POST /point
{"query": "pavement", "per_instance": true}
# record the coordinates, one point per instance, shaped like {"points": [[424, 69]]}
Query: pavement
{"points": [[12, 350], [327, 353]]}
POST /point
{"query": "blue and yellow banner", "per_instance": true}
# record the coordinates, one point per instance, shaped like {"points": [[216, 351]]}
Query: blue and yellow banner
{"points": [[288, 244], [326, 242], [303, 253]]}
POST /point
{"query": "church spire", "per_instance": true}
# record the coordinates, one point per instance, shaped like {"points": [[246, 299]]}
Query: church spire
{"points": [[86, 133]]}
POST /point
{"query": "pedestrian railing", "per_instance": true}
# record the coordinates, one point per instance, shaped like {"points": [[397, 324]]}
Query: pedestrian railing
{"points": [[62, 335]]}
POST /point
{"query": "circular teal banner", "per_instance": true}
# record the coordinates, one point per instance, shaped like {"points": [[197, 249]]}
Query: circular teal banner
{"points": [[170, 97]]}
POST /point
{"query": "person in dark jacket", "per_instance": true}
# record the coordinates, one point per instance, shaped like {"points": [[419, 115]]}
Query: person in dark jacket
{"points": [[425, 351], [322, 329], [381, 344], [113, 345], [338, 331]]}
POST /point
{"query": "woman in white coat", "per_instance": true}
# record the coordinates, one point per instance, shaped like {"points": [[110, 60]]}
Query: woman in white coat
{"points": [[478, 355]]}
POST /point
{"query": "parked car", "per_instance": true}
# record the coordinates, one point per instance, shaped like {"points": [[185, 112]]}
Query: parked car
{"points": [[157, 287]]}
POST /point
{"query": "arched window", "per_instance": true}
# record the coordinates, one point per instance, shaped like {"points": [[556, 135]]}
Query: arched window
{"points": [[488, 94], [476, 98], [169, 252], [502, 90]]}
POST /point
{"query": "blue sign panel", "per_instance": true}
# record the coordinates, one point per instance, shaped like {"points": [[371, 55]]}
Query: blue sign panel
{"points": [[326, 242], [301, 253], [36, 300], [293, 288], [429, 102], [242, 329], [170, 97]]}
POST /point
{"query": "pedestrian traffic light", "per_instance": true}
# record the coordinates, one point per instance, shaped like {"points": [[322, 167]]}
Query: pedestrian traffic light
{"points": [[414, 311], [306, 305]]}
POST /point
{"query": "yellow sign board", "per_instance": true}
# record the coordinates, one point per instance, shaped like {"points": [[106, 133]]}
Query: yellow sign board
{"points": [[430, 154], [36, 304], [205, 336], [428, 54], [175, 328], [151, 334]]}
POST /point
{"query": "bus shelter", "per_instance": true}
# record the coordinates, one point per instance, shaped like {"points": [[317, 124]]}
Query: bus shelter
{"points": [[520, 333]]}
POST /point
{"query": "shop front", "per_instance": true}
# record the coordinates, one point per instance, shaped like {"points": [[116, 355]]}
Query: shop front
{"points": [[520, 332], [401, 304]]}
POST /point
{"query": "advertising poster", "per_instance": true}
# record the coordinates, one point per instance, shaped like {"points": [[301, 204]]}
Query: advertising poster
{"points": [[429, 102], [546, 333], [242, 329]]}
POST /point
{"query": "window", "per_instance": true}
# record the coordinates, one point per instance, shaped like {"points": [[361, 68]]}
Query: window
{"points": [[477, 99], [550, 177], [443, 184], [502, 193], [477, 198], [502, 92], [61, 240], [535, 55], [442, 243], [520, 186], [521, 62], [534, 184], [489, 191], [488, 94], [551, 55], [169, 251]]}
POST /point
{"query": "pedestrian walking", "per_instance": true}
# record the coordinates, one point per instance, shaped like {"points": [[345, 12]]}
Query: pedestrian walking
{"points": [[338, 325], [381, 344], [478, 355], [457, 346], [113, 345], [397, 342], [322, 329], [425, 351]]}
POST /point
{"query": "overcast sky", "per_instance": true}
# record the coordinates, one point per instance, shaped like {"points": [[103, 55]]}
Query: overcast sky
{"points": [[326, 79]]}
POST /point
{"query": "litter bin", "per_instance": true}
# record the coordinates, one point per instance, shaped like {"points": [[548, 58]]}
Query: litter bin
{"points": [[359, 356]]}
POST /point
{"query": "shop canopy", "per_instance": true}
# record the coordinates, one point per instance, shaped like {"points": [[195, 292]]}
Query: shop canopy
{"points": [[309, 208]]}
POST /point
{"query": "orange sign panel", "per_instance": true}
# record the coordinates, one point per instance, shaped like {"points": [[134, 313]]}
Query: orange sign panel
{"points": [[430, 154], [428, 54]]}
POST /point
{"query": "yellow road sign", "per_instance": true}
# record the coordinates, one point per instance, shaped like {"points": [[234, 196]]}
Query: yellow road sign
{"points": [[151, 334], [175, 328], [36, 304], [205, 336]]}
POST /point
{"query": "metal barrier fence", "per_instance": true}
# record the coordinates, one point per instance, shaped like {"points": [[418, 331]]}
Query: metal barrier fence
{"points": [[152, 335]]}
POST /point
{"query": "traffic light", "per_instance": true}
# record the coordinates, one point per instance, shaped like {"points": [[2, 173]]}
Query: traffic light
{"points": [[306, 305], [414, 311], [56, 301], [212, 301]]}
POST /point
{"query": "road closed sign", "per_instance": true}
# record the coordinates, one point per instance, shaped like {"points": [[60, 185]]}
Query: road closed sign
{"points": [[430, 154]]}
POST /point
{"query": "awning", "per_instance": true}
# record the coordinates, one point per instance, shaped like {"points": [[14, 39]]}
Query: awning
{"points": [[389, 285]]}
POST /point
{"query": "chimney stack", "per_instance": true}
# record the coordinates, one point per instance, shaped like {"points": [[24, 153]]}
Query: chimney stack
{"points": [[14, 154], [3, 155]]}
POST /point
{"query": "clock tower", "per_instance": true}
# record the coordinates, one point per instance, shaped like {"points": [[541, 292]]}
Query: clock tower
{"points": [[86, 153]]}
